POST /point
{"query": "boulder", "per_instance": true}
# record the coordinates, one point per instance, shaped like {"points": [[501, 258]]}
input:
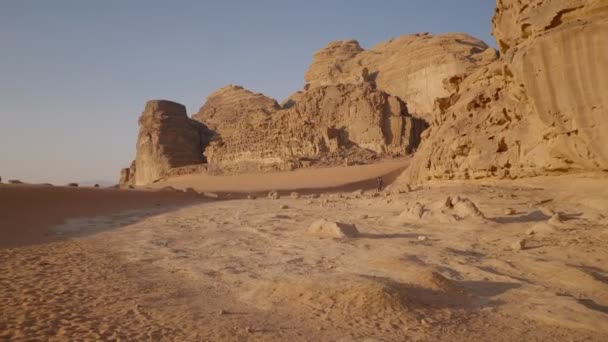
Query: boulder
{"points": [[273, 195], [330, 229]]}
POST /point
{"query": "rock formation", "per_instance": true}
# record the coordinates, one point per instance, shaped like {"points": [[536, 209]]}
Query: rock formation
{"points": [[230, 105], [539, 109], [316, 123], [167, 139], [411, 67]]}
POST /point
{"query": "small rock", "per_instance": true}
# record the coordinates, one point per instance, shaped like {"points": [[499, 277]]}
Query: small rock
{"points": [[249, 330], [555, 219], [363, 217], [96, 185], [294, 195], [519, 245], [315, 196], [422, 238], [358, 192], [223, 312], [74, 185], [211, 195], [14, 181], [510, 211], [284, 206], [251, 196], [273, 195], [547, 211]]}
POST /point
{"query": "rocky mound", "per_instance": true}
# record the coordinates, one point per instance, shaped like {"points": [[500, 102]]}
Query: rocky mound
{"points": [[167, 139], [411, 67], [349, 296], [539, 109], [230, 105], [320, 121]]}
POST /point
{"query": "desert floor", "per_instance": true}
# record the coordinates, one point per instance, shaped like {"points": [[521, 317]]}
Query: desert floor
{"points": [[86, 264]]}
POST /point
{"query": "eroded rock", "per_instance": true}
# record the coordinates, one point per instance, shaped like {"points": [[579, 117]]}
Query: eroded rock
{"points": [[330, 229], [167, 139]]}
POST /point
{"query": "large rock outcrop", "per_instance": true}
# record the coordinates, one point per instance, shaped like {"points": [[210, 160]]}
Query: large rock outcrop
{"points": [[411, 67], [541, 108], [314, 125], [230, 105], [167, 139]]}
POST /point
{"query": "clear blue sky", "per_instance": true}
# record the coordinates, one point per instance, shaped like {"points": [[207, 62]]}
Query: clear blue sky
{"points": [[74, 75]]}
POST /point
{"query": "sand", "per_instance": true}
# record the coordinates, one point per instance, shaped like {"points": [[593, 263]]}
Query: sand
{"points": [[28, 211], [239, 270], [305, 180]]}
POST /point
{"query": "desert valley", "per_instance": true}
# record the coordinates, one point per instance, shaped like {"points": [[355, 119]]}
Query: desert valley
{"points": [[430, 188]]}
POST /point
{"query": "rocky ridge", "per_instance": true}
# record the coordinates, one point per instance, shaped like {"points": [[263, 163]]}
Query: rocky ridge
{"points": [[322, 121], [356, 107], [411, 67]]}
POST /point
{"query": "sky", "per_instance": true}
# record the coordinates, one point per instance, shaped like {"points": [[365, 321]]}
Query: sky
{"points": [[75, 75]]}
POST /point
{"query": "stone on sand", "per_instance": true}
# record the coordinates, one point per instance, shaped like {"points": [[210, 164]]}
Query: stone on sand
{"points": [[294, 195], [519, 245], [331, 229], [413, 212], [273, 195], [555, 220]]}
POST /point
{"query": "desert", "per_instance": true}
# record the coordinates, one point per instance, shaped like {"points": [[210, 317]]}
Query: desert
{"points": [[428, 188]]}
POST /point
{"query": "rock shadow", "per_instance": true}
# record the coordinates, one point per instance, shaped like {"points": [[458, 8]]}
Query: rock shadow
{"points": [[488, 288], [534, 216]]}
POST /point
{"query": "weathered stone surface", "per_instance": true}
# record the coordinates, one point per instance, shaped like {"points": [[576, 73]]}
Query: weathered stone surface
{"points": [[232, 104], [321, 122], [167, 139], [330, 229], [411, 67], [540, 109]]}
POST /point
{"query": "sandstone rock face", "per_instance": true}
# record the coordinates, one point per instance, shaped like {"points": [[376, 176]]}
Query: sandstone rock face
{"points": [[167, 139], [540, 109], [230, 105], [411, 67], [317, 123]]}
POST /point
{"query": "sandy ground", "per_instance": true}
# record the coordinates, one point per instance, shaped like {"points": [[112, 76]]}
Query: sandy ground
{"points": [[305, 180], [249, 270], [28, 211]]}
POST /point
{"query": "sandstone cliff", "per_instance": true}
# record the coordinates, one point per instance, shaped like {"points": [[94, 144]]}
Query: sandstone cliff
{"points": [[540, 108], [411, 67], [167, 139]]}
